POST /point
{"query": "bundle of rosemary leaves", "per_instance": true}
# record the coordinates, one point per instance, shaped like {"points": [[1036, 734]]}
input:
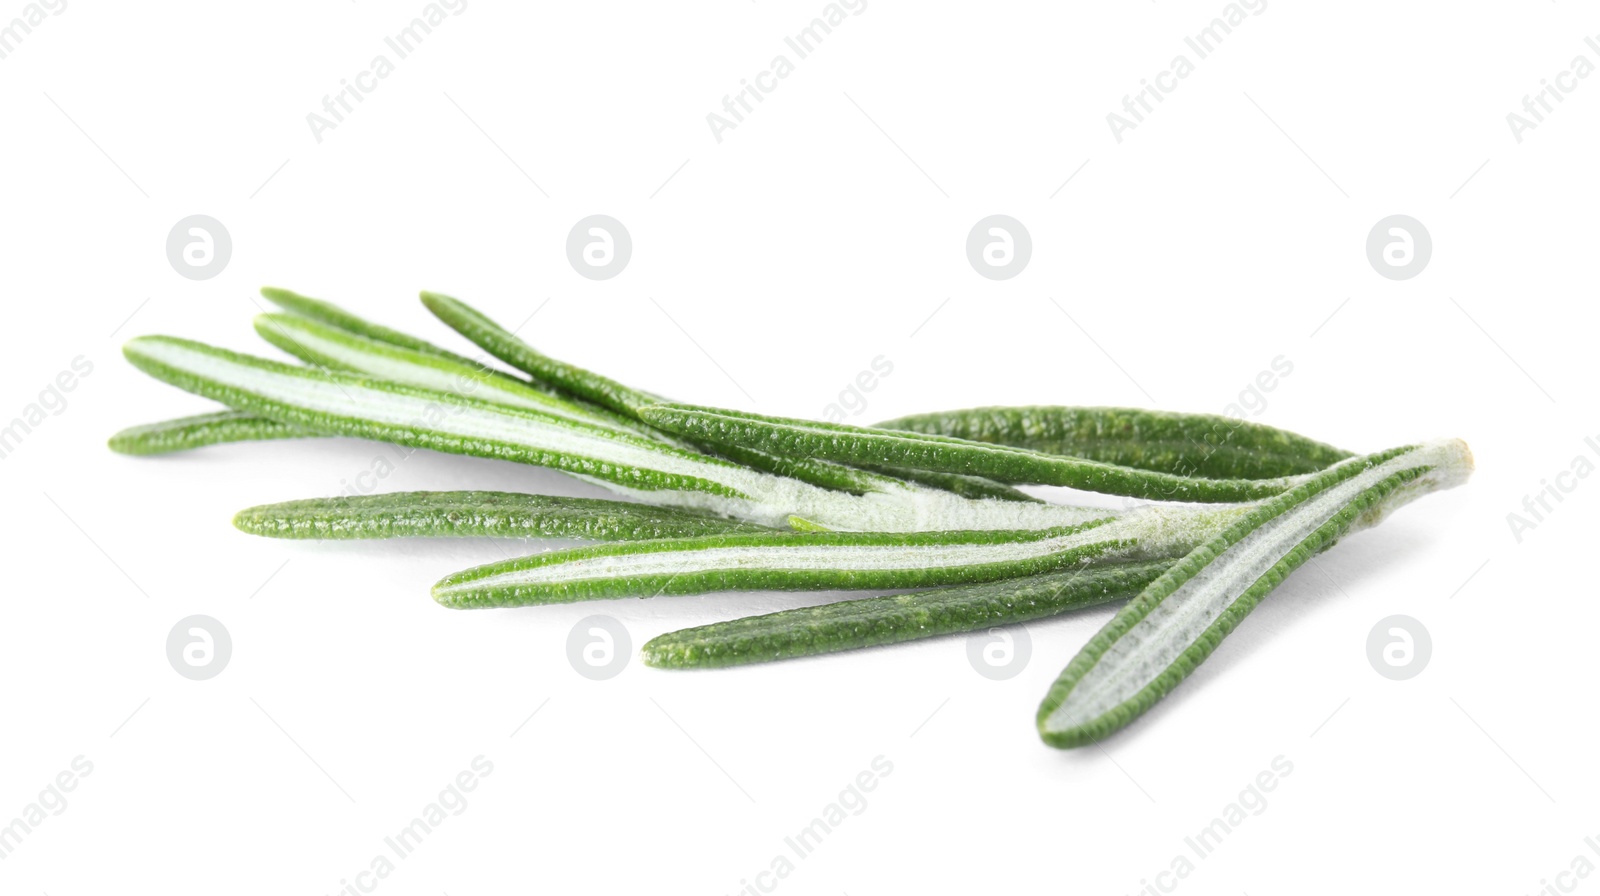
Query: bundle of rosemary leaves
{"points": [[726, 500]]}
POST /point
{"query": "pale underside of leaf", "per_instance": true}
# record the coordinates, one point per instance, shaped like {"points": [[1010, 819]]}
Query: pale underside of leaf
{"points": [[331, 347], [867, 561], [335, 316], [341, 404], [1158, 638], [626, 401]]}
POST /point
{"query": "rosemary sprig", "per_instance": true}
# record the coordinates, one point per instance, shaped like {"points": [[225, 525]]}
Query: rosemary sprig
{"points": [[736, 501]]}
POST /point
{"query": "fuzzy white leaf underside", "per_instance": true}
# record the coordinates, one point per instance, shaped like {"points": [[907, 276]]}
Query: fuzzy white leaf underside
{"points": [[771, 499], [466, 383], [1148, 532], [1156, 641]]}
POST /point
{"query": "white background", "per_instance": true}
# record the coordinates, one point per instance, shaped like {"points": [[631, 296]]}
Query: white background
{"points": [[768, 270]]}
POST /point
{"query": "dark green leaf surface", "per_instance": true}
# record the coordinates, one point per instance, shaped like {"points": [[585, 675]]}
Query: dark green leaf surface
{"points": [[853, 444], [477, 513], [185, 433], [332, 315], [508, 347], [892, 619], [1205, 445]]}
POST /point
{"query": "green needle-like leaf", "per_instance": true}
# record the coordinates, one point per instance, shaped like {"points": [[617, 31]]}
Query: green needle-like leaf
{"points": [[186, 433], [892, 619], [1205, 445], [505, 345], [626, 401], [834, 560], [460, 514], [799, 562], [335, 403], [967, 486], [1154, 642], [787, 437], [331, 347], [335, 316], [343, 404]]}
